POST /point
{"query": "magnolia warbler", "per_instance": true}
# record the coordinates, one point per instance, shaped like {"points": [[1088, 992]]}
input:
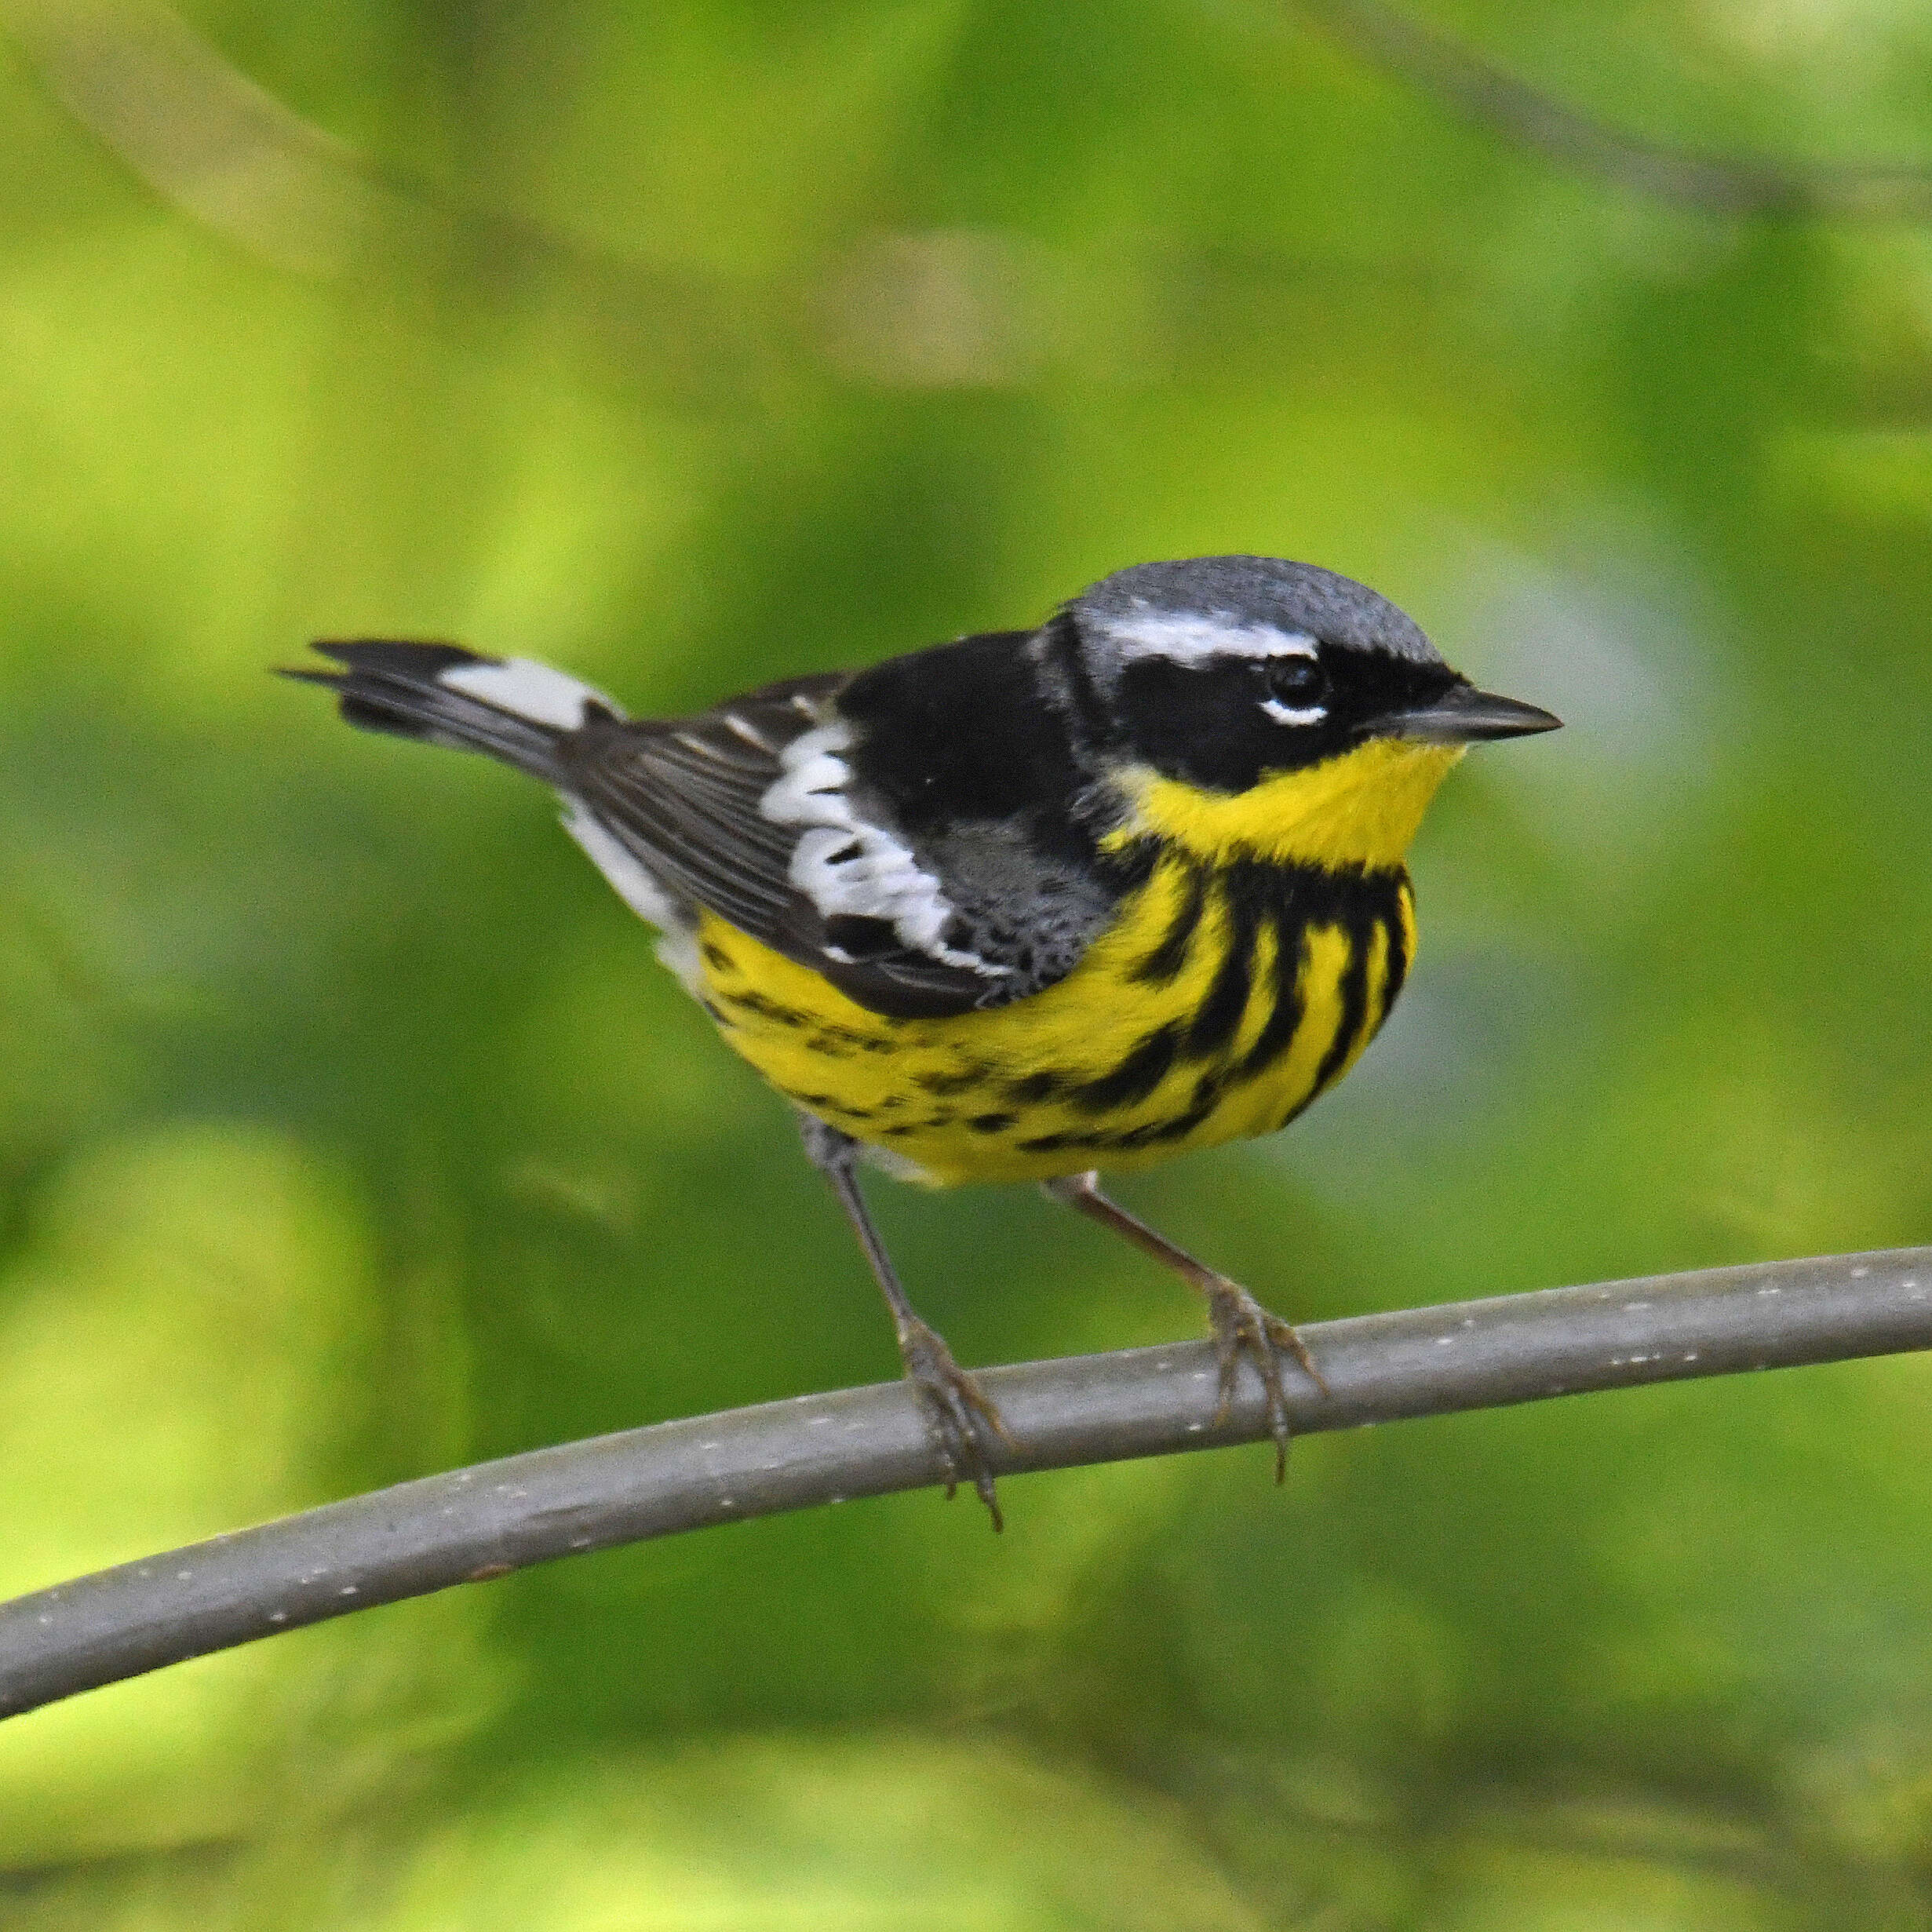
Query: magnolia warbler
{"points": [[1025, 906]]}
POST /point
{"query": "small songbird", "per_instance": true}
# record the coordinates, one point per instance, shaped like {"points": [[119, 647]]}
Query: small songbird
{"points": [[1027, 905]]}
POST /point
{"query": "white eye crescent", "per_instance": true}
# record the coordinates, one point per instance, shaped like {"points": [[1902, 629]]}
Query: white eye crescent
{"points": [[1297, 686], [1291, 714]]}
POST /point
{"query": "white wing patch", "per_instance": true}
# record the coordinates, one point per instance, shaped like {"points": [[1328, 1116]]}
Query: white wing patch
{"points": [[1193, 638], [678, 948], [526, 689], [848, 868]]}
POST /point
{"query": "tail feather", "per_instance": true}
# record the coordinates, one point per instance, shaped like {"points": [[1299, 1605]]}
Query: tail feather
{"points": [[510, 708]]}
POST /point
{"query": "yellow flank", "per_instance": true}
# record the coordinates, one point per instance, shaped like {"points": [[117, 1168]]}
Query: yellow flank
{"points": [[1242, 979], [1360, 810]]}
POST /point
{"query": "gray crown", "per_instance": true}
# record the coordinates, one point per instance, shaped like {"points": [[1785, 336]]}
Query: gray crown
{"points": [[1246, 593]]}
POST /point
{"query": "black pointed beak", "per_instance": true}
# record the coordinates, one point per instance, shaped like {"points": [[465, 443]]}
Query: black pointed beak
{"points": [[1464, 716]]}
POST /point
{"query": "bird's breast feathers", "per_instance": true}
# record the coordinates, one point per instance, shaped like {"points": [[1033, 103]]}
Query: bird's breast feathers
{"points": [[1265, 942], [1219, 1004]]}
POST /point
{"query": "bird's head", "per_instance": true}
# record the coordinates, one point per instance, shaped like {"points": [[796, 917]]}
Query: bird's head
{"points": [[1248, 703]]}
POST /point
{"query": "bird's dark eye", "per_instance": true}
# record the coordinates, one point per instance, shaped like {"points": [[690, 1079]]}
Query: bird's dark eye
{"points": [[1298, 681], [1298, 690]]}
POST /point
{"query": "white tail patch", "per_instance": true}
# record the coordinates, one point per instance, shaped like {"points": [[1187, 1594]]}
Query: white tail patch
{"points": [[526, 689], [678, 949]]}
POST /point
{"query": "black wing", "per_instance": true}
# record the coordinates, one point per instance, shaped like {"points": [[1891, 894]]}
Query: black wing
{"points": [[903, 831], [692, 800]]}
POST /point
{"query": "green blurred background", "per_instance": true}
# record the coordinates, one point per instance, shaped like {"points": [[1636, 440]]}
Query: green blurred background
{"points": [[349, 1131]]}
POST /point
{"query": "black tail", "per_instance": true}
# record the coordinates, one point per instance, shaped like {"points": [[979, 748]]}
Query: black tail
{"points": [[402, 688]]}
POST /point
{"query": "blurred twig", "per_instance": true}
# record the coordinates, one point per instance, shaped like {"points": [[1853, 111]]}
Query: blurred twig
{"points": [[1435, 63], [210, 142], [204, 137], [478, 1523]]}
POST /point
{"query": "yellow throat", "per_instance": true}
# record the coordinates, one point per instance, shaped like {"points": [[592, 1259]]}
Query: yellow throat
{"points": [[1359, 810]]}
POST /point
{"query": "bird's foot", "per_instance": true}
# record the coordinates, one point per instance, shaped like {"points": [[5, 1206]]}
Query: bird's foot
{"points": [[1242, 1326], [959, 1414]]}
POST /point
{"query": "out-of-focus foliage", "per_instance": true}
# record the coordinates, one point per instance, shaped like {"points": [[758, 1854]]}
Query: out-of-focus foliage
{"points": [[348, 1132]]}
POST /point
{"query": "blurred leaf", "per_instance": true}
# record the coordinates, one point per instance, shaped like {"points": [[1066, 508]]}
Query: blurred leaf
{"points": [[887, 1832]]}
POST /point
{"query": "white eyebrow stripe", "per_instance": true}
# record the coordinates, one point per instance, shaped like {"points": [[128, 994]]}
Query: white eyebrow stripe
{"points": [[1189, 640]]}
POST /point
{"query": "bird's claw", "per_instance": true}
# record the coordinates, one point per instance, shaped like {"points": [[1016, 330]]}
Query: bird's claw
{"points": [[958, 1412], [1242, 1326]]}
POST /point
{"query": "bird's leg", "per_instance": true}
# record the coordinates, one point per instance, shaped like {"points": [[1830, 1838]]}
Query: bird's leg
{"points": [[1241, 1325], [957, 1411]]}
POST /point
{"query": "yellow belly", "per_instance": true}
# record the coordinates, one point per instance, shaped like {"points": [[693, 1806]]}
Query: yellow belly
{"points": [[1182, 1027]]}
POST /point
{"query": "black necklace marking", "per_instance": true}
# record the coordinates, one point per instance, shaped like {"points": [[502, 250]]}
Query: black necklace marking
{"points": [[1245, 897], [1135, 1077], [1163, 965], [1355, 999], [1290, 900]]}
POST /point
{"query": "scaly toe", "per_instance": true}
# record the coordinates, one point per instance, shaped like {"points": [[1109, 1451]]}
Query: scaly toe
{"points": [[1242, 1326], [1285, 1334], [958, 1412]]}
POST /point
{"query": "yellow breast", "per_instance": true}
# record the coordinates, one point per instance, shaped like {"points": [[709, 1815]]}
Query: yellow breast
{"points": [[1240, 980], [1214, 1009]]}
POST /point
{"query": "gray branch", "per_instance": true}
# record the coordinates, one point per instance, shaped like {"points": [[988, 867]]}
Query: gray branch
{"points": [[475, 1524]]}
